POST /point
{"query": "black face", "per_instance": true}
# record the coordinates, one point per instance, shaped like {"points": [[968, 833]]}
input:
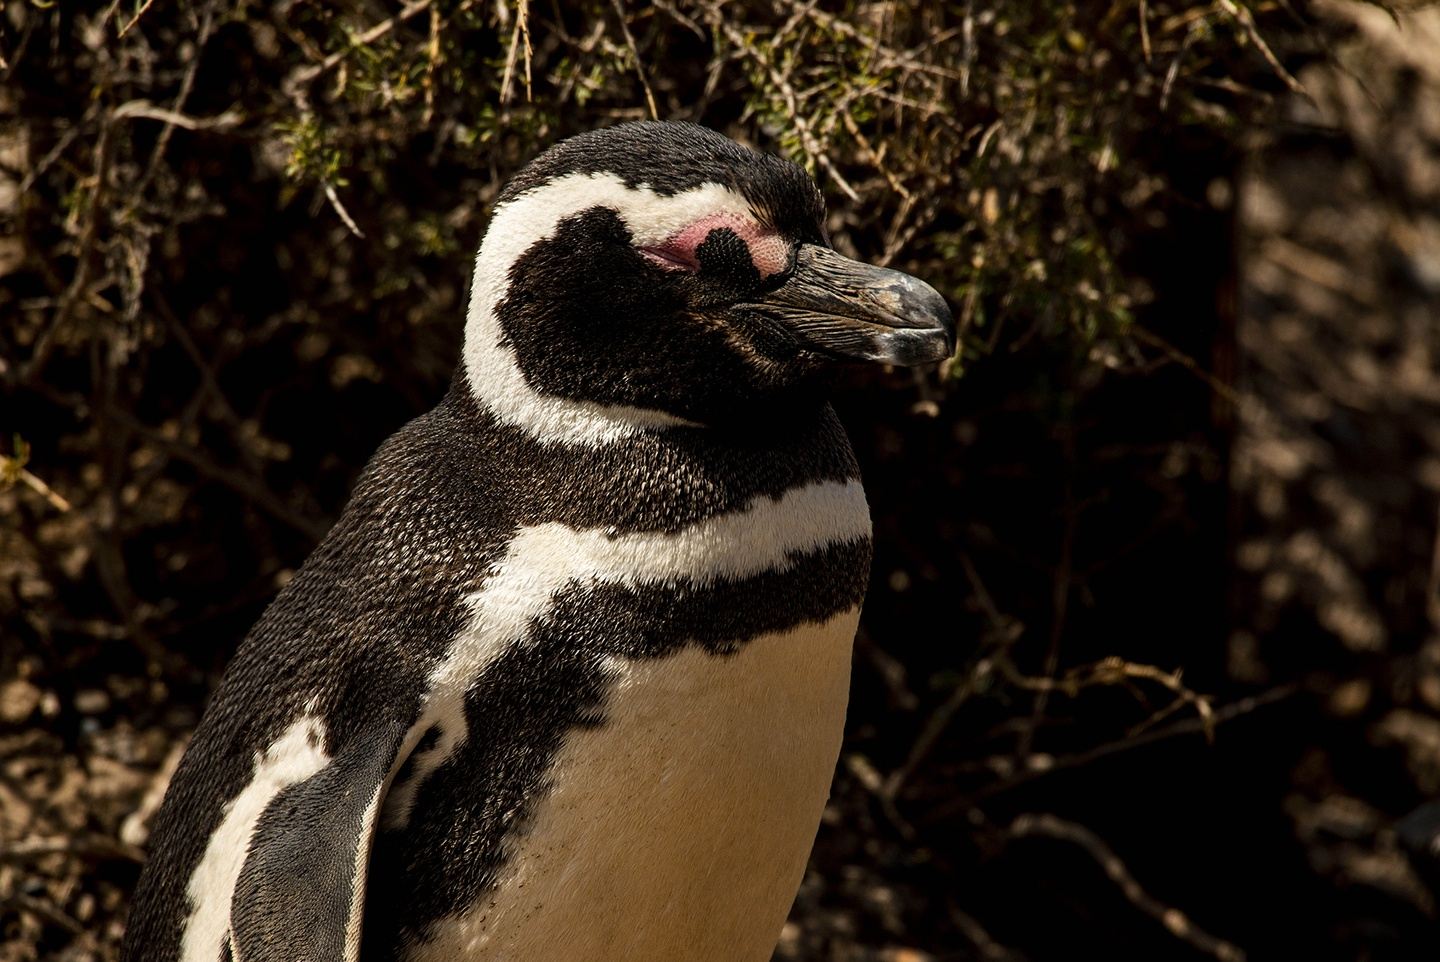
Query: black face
{"points": [[699, 281]]}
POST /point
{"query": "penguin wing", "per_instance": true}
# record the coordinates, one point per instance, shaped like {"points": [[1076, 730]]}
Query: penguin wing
{"points": [[301, 890], [261, 849]]}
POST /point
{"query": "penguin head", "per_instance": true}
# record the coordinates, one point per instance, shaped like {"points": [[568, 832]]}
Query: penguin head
{"points": [[656, 274]]}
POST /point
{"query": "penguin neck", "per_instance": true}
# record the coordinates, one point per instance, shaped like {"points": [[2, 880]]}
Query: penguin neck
{"points": [[653, 480], [558, 423]]}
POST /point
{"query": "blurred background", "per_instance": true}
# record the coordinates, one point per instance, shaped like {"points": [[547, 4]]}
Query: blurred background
{"points": [[1149, 667]]}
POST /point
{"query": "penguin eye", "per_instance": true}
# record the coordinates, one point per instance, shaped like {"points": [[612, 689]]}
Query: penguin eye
{"points": [[768, 252], [672, 257]]}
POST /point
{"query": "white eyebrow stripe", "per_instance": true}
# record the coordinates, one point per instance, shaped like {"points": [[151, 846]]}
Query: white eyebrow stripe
{"points": [[520, 224]]}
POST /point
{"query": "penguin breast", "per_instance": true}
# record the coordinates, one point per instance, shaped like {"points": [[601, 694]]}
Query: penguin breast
{"points": [[680, 828]]}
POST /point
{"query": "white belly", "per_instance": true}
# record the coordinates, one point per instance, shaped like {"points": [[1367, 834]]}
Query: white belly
{"points": [[678, 830]]}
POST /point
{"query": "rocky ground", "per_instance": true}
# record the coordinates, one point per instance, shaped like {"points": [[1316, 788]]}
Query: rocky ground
{"points": [[1337, 460]]}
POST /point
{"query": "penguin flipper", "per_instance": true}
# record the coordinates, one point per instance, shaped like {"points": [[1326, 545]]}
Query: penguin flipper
{"points": [[301, 890]]}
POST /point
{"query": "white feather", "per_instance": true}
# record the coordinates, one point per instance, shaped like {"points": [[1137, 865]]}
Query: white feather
{"points": [[518, 225], [542, 560], [293, 757]]}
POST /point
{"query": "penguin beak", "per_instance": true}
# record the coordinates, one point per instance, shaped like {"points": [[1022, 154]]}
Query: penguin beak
{"points": [[856, 311]]}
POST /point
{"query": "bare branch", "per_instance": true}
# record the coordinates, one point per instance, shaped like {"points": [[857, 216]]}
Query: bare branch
{"points": [[135, 19], [635, 55], [148, 111], [44, 490], [1189, 726], [1241, 14], [1174, 920], [306, 74], [809, 142], [334, 199], [90, 846], [45, 911]]}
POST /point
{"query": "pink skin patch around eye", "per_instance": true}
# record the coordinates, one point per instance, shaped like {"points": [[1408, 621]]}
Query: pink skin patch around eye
{"points": [[768, 250]]}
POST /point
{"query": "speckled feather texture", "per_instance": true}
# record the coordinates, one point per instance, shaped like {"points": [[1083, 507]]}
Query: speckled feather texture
{"points": [[567, 679]]}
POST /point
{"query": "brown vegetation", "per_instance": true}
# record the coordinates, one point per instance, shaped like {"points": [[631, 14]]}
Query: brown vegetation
{"points": [[1151, 644]]}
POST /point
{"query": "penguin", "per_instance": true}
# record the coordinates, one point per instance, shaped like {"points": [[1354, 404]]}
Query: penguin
{"points": [[567, 679]]}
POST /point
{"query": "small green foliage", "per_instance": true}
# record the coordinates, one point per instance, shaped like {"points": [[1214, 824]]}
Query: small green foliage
{"points": [[992, 146], [311, 157], [12, 466]]}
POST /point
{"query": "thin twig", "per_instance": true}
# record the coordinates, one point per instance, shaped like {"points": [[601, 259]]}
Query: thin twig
{"points": [[989, 949], [44, 490], [1187, 362], [334, 199], [967, 47], [523, 18], [1173, 71], [306, 74], [1188, 726], [13, 61], [77, 286], [432, 60], [512, 56], [669, 10], [45, 911], [1113, 671], [585, 46], [134, 20], [53, 154], [872, 156], [1176, 922], [1145, 30], [92, 847], [148, 111], [635, 55], [886, 54], [252, 489], [13, 470], [1059, 598], [811, 144], [187, 83], [1242, 15], [936, 726]]}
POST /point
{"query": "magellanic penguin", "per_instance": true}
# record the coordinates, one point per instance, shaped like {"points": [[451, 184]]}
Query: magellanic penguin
{"points": [[566, 681]]}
